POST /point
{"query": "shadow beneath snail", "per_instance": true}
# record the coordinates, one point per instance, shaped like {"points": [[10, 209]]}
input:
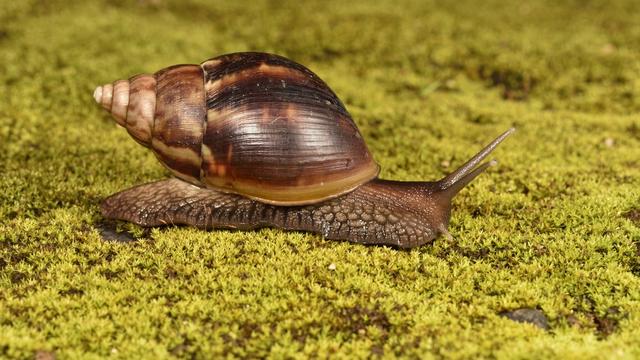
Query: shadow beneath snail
{"points": [[111, 232]]}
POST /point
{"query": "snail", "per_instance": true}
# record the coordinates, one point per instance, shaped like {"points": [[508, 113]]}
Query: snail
{"points": [[257, 140]]}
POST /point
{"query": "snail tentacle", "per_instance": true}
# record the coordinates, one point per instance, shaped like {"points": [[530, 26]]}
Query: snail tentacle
{"points": [[456, 176]]}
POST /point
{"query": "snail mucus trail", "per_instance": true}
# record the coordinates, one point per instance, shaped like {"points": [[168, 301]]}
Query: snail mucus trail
{"points": [[256, 140]]}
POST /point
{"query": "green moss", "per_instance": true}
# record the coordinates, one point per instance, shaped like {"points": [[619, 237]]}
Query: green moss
{"points": [[554, 227]]}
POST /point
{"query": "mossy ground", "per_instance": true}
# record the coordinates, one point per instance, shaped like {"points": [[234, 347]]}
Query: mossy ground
{"points": [[555, 227]]}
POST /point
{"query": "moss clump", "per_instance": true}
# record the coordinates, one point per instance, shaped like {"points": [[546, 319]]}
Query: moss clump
{"points": [[553, 230]]}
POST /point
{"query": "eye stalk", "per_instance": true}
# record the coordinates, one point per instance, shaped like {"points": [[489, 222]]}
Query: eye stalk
{"points": [[451, 184]]}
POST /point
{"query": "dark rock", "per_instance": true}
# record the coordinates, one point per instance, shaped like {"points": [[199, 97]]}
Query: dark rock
{"points": [[108, 232], [634, 216], [44, 355], [532, 316], [608, 323]]}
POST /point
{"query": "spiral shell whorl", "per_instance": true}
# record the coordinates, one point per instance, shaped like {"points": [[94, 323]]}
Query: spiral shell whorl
{"points": [[255, 124], [132, 103]]}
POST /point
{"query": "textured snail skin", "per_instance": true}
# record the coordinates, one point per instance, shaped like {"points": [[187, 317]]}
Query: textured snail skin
{"points": [[400, 214], [379, 212]]}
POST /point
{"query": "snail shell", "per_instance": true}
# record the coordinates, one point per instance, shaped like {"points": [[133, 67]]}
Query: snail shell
{"points": [[254, 124]]}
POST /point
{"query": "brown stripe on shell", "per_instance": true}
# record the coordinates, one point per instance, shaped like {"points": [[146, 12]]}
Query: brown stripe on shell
{"points": [[239, 79], [120, 101], [284, 153], [141, 108], [284, 74], [107, 95], [180, 119], [179, 160], [230, 63], [211, 64]]}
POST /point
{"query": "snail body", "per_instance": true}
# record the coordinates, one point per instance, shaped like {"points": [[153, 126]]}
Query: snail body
{"points": [[257, 140]]}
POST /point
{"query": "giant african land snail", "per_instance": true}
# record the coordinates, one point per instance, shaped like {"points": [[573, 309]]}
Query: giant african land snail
{"points": [[258, 140]]}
